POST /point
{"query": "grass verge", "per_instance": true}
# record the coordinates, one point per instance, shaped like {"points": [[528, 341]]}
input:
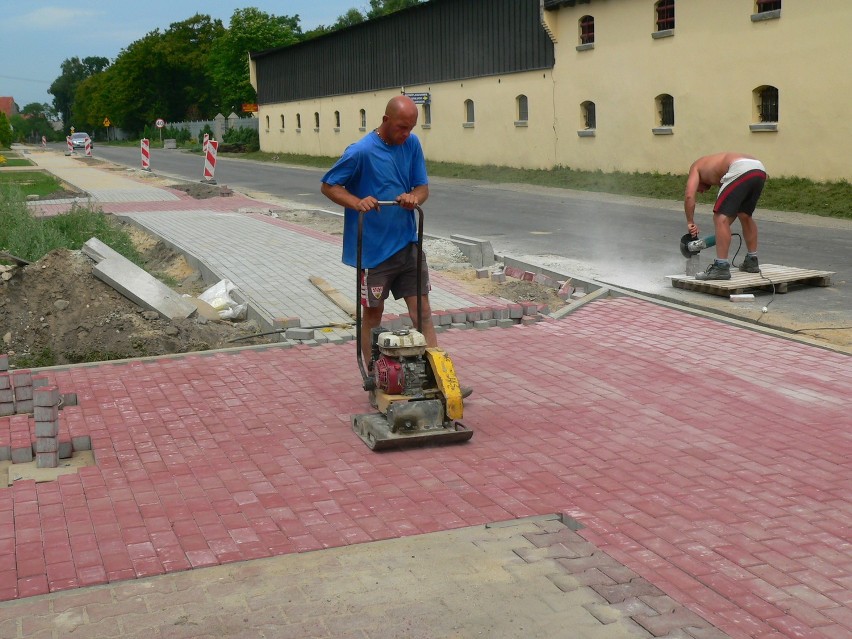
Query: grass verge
{"points": [[31, 238]]}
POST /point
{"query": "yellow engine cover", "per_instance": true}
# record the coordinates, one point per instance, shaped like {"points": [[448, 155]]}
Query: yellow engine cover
{"points": [[448, 383]]}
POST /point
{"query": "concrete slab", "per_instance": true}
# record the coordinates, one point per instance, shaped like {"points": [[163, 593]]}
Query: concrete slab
{"points": [[141, 287], [98, 251]]}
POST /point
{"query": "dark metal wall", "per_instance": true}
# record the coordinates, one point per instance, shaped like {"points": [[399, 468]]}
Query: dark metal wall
{"points": [[437, 41]]}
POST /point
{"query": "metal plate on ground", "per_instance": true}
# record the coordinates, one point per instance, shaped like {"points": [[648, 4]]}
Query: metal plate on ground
{"points": [[771, 275], [374, 430]]}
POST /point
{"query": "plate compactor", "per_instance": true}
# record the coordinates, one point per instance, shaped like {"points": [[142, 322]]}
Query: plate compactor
{"points": [[413, 387]]}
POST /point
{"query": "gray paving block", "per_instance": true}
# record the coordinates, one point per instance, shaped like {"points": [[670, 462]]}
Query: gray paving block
{"points": [[486, 252], [299, 333], [142, 288]]}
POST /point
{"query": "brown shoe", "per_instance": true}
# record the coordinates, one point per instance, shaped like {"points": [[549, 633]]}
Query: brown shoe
{"points": [[466, 391]]}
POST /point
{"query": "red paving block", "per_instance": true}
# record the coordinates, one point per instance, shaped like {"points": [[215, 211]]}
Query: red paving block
{"points": [[733, 513]]}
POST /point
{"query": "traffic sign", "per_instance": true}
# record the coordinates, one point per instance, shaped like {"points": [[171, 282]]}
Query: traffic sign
{"points": [[160, 123], [107, 122]]}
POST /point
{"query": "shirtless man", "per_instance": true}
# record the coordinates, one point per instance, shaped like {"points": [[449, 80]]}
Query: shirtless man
{"points": [[740, 178]]}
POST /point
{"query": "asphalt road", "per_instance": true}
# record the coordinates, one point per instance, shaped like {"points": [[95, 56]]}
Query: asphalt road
{"points": [[626, 242]]}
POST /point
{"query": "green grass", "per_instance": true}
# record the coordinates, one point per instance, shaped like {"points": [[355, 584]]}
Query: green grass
{"points": [[830, 199], [10, 158], [30, 182], [31, 238]]}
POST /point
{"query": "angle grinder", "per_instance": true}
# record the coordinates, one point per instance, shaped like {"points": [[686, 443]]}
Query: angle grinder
{"points": [[691, 246]]}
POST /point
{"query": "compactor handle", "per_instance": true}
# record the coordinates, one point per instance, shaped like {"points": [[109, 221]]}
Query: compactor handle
{"points": [[364, 376]]}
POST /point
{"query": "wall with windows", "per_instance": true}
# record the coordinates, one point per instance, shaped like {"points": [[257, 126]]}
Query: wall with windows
{"points": [[738, 75], [637, 85], [495, 135]]}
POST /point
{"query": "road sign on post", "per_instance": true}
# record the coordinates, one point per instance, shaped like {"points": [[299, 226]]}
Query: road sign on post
{"points": [[160, 124]]}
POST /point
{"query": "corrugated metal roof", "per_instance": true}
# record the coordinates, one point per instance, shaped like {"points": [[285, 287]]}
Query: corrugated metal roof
{"points": [[436, 41]]}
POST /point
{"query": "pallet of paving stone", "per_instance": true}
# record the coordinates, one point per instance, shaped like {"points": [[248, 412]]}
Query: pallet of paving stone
{"points": [[781, 277]]}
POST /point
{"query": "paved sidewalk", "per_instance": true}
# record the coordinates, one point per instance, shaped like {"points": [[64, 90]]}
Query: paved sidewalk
{"points": [[713, 491]]}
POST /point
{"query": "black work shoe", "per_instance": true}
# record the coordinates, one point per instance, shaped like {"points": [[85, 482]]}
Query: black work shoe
{"points": [[750, 264], [716, 271], [466, 391]]}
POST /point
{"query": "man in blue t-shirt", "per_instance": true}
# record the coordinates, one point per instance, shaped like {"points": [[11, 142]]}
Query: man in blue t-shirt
{"points": [[385, 165]]}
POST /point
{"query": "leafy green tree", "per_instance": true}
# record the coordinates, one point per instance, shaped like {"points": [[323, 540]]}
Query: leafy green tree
{"points": [[348, 19], [352, 17], [164, 75], [5, 131], [250, 30], [64, 88], [33, 122], [380, 8]]}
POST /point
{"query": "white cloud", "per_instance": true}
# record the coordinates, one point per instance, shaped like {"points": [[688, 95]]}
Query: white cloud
{"points": [[52, 18]]}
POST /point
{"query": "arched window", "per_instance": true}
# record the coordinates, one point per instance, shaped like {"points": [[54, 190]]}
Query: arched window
{"points": [[282, 120], [587, 30], [665, 110], [337, 119], [766, 101], [587, 110], [427, 115], [363, 119], [522, 111], [316, 120], [299, 121], [469, 114], [267, 121]]}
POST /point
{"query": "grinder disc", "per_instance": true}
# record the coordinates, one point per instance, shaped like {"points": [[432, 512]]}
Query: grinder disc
{"points": [[684, 243]]}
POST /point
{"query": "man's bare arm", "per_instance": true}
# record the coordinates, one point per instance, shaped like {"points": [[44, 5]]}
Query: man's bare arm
{"points": [[339, 195]]}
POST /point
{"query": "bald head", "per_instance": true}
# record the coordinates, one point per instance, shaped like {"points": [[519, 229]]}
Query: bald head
{"points": [[399, 119], [400, 104]]}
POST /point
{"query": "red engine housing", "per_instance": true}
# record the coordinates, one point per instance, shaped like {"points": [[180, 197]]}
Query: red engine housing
{"points": [[390, 375]]}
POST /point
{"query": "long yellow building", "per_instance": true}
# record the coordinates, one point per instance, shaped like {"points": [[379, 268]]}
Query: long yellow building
{"points": [[628, 85]]}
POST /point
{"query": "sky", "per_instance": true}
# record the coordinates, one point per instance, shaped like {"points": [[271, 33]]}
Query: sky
{"points": [[38, 36]]}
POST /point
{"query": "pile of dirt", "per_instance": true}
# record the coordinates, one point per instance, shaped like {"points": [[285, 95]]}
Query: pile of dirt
{"points": [[55, 311], [201, 190]]}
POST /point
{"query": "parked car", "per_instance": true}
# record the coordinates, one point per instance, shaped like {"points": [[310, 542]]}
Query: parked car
{"points": [[78, 140]]}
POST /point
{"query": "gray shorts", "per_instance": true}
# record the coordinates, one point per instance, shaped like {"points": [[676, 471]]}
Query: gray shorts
{"points": [[397, 275]]}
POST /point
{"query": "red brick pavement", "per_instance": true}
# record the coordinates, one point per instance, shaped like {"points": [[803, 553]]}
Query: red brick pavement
{"points": [[711, 460]]}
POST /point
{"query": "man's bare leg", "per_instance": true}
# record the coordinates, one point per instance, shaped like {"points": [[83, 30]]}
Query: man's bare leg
{"points": [[749, 231], [722, 224], [426, 325]]}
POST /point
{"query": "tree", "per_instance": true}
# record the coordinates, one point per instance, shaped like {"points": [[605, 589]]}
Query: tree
{"points": [[74, 71], [250, 30], [163, 75], [5, 131], [380, 8], [348, 19], [33, 122]]}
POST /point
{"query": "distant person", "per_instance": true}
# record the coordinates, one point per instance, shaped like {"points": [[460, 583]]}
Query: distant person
{"points": [[387, 164], [740, 178]]}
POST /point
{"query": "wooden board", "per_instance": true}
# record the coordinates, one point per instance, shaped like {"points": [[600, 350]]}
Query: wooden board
{"points": [[771, 274], [343, 302]]}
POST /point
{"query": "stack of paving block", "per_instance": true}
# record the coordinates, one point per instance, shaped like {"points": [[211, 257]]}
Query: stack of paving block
{"points": [[46, 415], [7, 395]]}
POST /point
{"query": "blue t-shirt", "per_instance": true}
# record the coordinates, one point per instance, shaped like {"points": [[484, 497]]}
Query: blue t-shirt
{"points": [[371, 167]]}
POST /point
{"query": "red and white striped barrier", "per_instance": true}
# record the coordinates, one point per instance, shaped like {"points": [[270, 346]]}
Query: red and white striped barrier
{"points": [[206, 141], [43, 142], [88, 147], [70, 144], [146, 154], [210, 161]]}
